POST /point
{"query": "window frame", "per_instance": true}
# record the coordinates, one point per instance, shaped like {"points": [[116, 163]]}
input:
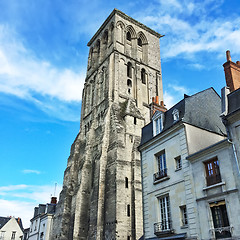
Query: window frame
{"points": [[175, 114], [212, 171], [157, 122], [220, 219], [13, 235], [161, 166], [178, 163], [184, 215], [164, 213]]}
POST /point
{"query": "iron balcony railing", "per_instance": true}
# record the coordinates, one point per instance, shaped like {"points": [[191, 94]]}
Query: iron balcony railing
{"points": [[223, 232], [213, 179], [160, 174], [163, 227]]}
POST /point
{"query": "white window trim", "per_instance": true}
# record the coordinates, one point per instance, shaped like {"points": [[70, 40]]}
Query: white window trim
{"points": [[175, 114], [157, 123]]}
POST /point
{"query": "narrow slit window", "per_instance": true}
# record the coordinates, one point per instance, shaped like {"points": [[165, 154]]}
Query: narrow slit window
{"points": [[128, 210], [129, 70], [143, 76], [129, 83], [126, 182]]}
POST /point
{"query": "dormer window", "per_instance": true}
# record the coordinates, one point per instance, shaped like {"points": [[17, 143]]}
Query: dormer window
{"points": [[175, 114], [157, 122]]}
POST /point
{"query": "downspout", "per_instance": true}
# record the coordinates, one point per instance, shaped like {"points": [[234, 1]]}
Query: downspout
{"points": [[229, 138]]}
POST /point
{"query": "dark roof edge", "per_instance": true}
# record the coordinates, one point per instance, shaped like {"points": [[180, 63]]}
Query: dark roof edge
{"points": [[125, 16], [174, 124], [190, 157], [163, 131], [206, 90]]}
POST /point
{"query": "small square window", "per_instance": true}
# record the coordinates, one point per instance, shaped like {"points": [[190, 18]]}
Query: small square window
{"points": [[178, 162]]}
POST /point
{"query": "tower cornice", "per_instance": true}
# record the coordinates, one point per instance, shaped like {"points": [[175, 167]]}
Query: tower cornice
{"points": [[126, 17]]}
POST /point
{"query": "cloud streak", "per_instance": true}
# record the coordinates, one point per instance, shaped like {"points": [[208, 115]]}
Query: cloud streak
{"points": [[23, 75], [20, 200], [27, 171], [191, 28]]}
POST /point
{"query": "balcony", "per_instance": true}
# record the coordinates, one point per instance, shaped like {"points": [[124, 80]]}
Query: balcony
{"points": [[213, 179], [163, 228], [160, 174], [222, 232]]}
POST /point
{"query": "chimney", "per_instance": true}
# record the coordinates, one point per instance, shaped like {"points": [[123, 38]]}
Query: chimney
{"points": [[232, 73], [53, 200], [156, 107]]}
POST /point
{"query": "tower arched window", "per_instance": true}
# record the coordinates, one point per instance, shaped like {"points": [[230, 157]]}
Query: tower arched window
{"points": [[139, 42], [143, 76], [129, 70], [128, 36]]}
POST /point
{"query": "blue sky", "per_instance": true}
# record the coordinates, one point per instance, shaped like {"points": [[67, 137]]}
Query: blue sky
{"points": [[43, 57]]}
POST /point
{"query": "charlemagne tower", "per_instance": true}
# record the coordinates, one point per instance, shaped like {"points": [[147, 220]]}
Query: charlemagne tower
{"points": [[101, 196]]}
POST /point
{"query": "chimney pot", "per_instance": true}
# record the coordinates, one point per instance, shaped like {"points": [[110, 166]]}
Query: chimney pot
{"points": [[53, 200], [228, 56]]}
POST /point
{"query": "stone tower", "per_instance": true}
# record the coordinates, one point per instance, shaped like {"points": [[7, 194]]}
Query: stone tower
{"points": [[101, 196]]}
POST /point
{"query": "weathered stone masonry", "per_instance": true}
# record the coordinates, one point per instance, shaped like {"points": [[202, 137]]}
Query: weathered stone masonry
{"points": [[101, 196]]}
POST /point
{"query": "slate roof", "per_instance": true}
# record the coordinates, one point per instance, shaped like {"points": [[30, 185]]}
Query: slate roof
{"points": [[234, 101], [202, 110], [4, 220]]}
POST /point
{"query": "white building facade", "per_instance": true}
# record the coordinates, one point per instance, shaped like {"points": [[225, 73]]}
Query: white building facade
{"points": [[41, 223], [190, 166], [10, 228]]}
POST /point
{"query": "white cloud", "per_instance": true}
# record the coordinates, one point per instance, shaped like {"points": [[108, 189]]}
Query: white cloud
{"points": [[173, 94], [26, 171], [191, 28], [20, 200], [24, 210], [24, 75]]}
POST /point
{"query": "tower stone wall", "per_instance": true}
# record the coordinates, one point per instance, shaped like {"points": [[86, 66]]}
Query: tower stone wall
{"points": [[101, 196]]}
